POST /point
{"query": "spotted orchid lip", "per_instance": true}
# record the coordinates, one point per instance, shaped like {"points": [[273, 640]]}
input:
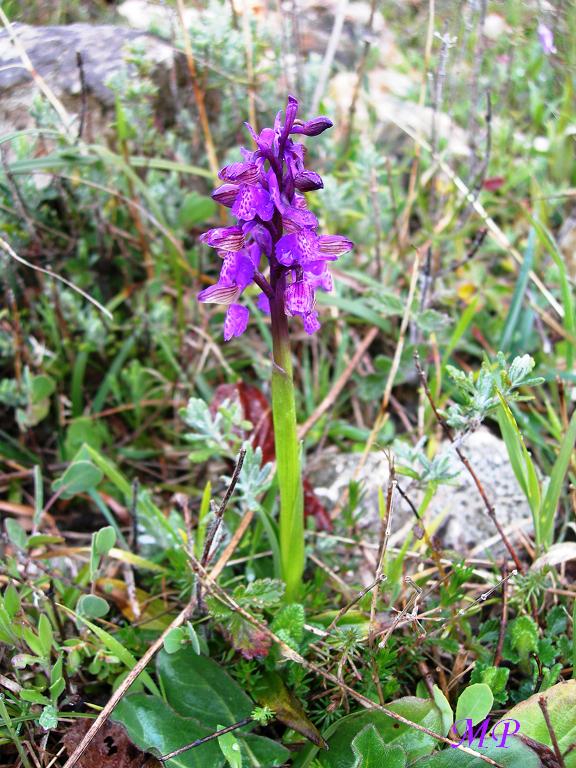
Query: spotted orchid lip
{"points": [[274, 225]]}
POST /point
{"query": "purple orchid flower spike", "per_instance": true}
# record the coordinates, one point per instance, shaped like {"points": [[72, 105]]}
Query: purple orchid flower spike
{"points": [[274, 243]]}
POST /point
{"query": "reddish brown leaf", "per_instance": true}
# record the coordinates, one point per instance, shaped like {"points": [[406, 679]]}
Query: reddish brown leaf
{"points": [[256, 409], [251, 642], [314, 508], [110, 748], [493, 183]]}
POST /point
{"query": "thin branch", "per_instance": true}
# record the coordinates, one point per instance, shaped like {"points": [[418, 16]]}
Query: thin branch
{"points": [[83, 95], [555, 746], [203, 740], [218, 518], [343, 611], [360, 70], [7, 248], [35, 75], [385, 525], [329, 55], [503, 619], [198, 92]]}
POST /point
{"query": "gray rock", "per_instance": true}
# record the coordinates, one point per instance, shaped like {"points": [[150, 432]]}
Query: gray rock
{"points": [[52, 51], [465, 524]]}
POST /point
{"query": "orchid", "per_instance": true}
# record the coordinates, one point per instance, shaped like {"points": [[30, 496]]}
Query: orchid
{"points": [[274, 244]]}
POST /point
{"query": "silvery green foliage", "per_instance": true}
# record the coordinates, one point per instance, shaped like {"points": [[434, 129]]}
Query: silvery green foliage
{"points": [[11, 394], [254, 478], [214, 434], [479, 390], [217, 43], [416, 464], [82, 315]]}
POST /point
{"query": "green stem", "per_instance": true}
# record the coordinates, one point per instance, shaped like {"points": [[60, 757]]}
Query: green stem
{"points": [[287, 453], [13, 734]]}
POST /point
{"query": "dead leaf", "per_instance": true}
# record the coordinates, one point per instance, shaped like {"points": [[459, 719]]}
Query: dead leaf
{"points": [[110, 748], [273, 693], [547, 758], [556, 555]]}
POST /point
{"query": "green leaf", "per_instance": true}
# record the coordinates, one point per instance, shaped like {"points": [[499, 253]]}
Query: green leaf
{"points": [[261, 752], [519, 369], [78, 478], [552, 496], [518, 296], [154, 726], [196, 686], [11, 600], [566, 288], [45, 634], [474, 703], [104, 540], [174, 640], [15, 533], [387, 303], [34, 697], [230, 747], [193, 637], [92, 606], [195, 209], [49, 717], [523, 633], [561, 703], [432, 321], [260, 593], [445, 709], [39, 539], [114, 646], [415, 743], [203, 519], [289, 624], [371, 752], [41, 387], [520, 459], [495, 677], [32, 641], [514, 755]]}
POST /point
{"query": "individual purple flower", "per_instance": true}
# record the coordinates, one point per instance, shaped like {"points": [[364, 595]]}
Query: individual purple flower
{"points": [[546, 37], [274, 244], [236, 321]]}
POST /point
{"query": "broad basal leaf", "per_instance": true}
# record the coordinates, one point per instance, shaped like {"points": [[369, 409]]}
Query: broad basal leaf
{"points": [[561, 703], [196, 686], [153, 726], [514, 755], [341, 734], [273, 693]]}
